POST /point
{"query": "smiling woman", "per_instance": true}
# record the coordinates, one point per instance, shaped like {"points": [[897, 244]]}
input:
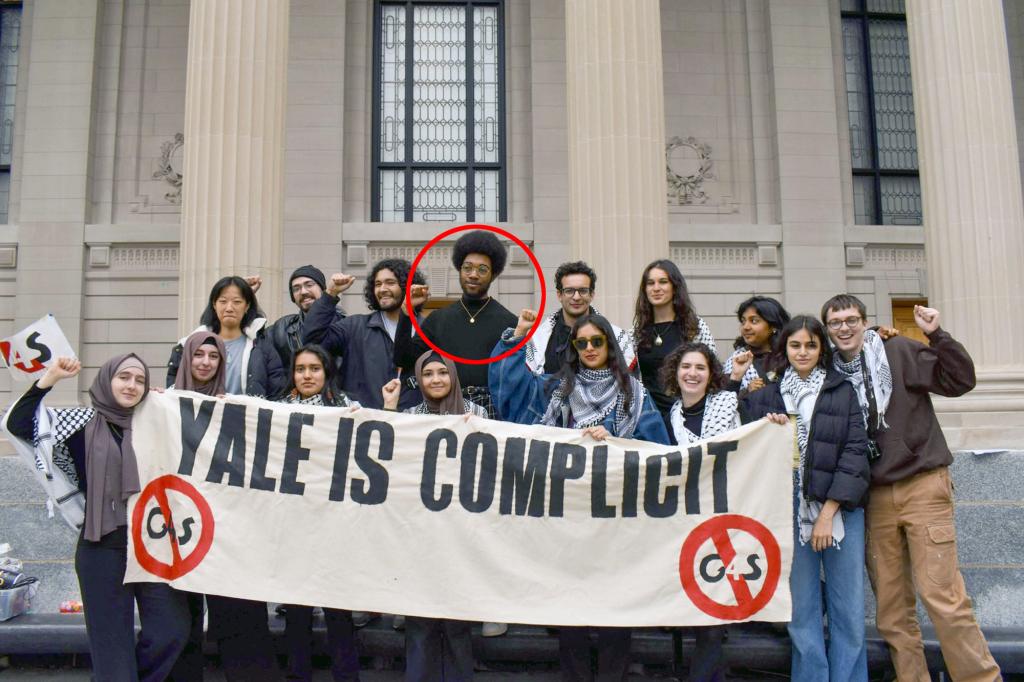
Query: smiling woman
{"points": [[96, 445]]}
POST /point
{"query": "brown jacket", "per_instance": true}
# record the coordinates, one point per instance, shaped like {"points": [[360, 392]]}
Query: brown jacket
{"points": [[913, 442]]}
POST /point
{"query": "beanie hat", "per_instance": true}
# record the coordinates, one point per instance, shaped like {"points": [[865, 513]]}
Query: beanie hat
{"points": [[307, 271]]}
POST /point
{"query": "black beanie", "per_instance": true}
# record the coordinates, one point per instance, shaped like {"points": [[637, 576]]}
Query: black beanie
{"points": [[307, 271]]}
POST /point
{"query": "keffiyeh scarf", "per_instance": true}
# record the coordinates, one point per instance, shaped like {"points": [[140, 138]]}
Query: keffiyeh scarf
{"points": [[800, 396], [594, 396], [720, 415], [873, 354]]}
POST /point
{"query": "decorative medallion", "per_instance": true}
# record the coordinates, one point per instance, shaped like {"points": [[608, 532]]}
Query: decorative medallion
{"points": [[687, 165]]}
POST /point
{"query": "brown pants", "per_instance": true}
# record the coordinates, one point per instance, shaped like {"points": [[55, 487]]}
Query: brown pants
{"points": [[911, 542]]}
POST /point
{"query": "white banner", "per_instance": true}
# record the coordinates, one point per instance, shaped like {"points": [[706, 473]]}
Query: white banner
{"points": [[459, 518], [29, 352]]}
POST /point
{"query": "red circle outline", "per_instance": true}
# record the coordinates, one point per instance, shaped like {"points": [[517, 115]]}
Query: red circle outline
{"points": [[178, 567], [702, 533], [536, 266]]}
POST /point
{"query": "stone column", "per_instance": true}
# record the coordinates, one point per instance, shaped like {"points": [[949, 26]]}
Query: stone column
{"points": [[617, 185], [234, 150], [973, 215]]}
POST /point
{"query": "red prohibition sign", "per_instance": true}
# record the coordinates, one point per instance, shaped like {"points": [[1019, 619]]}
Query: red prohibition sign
{"points": [[157, 488], [717, 530], [536, 266]]}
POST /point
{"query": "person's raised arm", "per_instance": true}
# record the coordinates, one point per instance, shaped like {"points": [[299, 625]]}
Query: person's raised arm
{"points": [[21, 421], [944, 367], [408, 347]]}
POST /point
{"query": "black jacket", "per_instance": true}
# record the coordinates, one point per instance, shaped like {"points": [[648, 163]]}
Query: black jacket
{"points": [[264, 375], [366, 350], [836, 464], [286, 336]]}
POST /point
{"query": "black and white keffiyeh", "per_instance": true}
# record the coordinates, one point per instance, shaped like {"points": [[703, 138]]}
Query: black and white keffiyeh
{"points": [[800, 396], [538, 344], [68, 421], [594, 396], [469, 405], [873, 355], [317, 400], [720, 415]]}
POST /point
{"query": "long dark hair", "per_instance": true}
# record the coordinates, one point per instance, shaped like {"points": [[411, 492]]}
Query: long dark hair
{"points": [[667, 374], [329, 391], [686, 316], [616, 363], [209, 316], [778, 361], [770, 310]]}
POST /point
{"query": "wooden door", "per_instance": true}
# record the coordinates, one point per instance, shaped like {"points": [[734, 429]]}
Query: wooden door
{"points": [[903, 318]]}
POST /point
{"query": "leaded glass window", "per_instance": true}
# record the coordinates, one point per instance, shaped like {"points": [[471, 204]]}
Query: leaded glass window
{"points": [[880, 101], [438, 118], [10, 27]]}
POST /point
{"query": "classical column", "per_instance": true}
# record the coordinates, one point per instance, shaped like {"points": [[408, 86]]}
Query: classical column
{"points": [[971, 194], [619, 214], [234, 150]]}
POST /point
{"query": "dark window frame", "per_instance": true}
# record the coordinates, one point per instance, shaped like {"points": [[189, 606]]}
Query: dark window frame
{"points": [[409, 166], [876, 172]]}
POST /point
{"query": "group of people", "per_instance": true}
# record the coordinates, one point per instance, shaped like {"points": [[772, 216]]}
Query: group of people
{"points": [[870, 466]]}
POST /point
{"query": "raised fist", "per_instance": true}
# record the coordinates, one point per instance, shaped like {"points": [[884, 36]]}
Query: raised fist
{"points": [[418, 294], [254, 282], [391, 391], [926, 318], [526, 319], [740, 363], [339, 283], [62, 368]]}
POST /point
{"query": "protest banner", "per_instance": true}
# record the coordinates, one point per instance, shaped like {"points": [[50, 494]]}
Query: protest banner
{"points": [[29, 352], [457, 517]]}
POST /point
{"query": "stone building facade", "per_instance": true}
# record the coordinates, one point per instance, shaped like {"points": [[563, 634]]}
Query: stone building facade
{"points": [[726, 134]]}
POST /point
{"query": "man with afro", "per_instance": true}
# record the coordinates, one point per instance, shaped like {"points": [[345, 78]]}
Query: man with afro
{"points": [[366, 342], [470, 327]]}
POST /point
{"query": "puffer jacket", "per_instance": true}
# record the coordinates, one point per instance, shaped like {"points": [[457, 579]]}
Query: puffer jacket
{"points": [[264, 376], [836, 463]]}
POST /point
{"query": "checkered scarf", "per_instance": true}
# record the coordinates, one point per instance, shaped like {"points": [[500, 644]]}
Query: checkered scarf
{"points": [[594, 396], [878, 368]]}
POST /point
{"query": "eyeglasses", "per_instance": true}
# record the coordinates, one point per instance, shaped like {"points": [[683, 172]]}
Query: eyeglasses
{"points": [[581, 343], [482, 270], [305, 286], [572, 291], [851, 322]]}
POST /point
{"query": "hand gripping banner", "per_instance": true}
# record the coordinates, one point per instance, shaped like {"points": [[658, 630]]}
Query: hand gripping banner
{"points": [[457, 517]]}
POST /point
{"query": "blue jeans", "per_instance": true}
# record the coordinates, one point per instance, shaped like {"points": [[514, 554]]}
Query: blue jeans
{"points": [[846, 659]]}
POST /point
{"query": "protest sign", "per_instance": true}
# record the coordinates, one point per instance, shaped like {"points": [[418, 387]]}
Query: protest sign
{"points": [[29, 352], [471, 519]]}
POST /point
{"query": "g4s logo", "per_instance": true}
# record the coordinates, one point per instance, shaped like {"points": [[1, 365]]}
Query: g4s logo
{"points": [[732, 570], [164, 529]]}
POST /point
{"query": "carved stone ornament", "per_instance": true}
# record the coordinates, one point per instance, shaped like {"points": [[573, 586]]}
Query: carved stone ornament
{"points": [[170, 156], [687, 165]]}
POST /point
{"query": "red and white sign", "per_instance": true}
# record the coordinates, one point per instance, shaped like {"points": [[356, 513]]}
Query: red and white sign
{"points": [[29, 352]]}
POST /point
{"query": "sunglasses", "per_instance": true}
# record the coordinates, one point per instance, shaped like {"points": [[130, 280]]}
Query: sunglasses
{"points": [[597, 341]]}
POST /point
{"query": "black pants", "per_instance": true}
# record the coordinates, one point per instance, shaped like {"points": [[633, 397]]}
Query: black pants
{"points": [[242, 633], [189, 667], [612, 654], [438, 650], [707, 664], [341, 643], [109, 607]]}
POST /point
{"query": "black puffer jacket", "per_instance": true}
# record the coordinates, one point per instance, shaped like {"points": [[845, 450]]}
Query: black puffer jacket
{"points": [[836, 464]]}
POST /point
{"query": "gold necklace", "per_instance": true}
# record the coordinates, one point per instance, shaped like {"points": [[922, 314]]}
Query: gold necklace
{"points": [[472, 317]]}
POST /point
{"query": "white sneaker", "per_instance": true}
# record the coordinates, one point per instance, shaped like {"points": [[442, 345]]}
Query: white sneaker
{"points": [[494, 629]]}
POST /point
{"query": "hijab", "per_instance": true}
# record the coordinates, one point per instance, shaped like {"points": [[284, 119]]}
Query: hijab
{"points": [[103, 450], [184, 379], [451, 403]]}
